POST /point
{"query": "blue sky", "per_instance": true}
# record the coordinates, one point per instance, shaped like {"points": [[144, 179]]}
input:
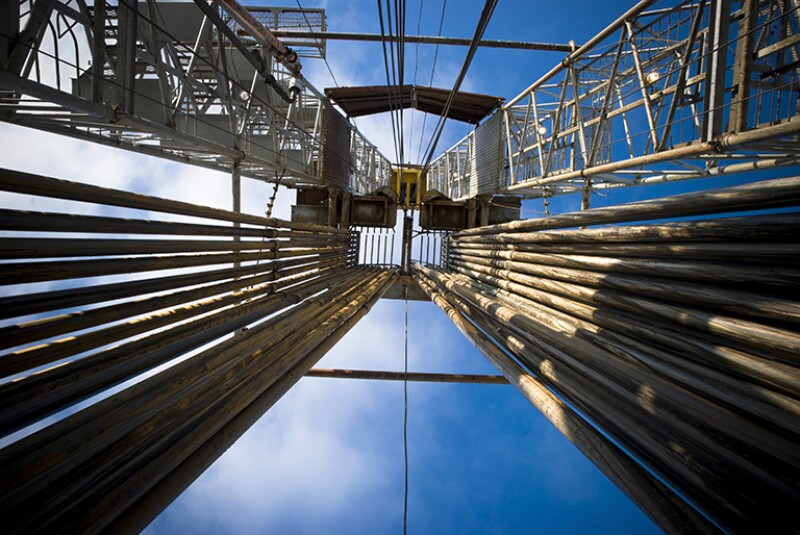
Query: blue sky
{"points": [[328, 458]]}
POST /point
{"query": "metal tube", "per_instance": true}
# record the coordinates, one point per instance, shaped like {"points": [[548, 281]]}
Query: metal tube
{"points": [[41, 329], [410, 376], [755, 253], [29, 184], [221, 395], [636, 436], [141, 513], [617, 367], [743, 303], [26, 221], [29, 358], [133, 401], [776, 193], [658, 501], [39, 394], [751, 383], [676, 269], [15, 248], [27, 272], [626, 421], [779, 343], [753, 230], [35, 303], [422, 39]]}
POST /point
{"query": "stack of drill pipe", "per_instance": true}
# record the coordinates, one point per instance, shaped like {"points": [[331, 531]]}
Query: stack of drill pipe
{"points": [[36, 185], [136, 517], [678, 340], [654, 498], [94, 333], [88, 468], [251, 301], [36, 395], [173, 307]]}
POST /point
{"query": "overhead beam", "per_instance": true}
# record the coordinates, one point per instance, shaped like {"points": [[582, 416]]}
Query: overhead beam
{"points": [[422, 39], [410, 376]]}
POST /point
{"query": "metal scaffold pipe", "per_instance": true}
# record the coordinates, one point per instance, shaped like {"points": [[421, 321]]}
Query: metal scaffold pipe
{"points": [[214, 386], [657, 500], [679, 333], [775, 193], [422, 39], [146, 508], [577, 53], [374, 375]]}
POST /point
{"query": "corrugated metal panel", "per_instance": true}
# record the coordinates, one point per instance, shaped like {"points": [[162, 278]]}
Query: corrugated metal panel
{"points": [[335, 149], [486, 155]]}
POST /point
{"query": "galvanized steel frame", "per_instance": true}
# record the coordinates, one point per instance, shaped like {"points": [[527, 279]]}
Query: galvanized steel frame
{"points": [[666, 92], [165, 81]]}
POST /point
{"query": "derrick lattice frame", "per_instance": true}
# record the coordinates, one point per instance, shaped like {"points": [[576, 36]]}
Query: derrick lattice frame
{"points": [[162, 79], [701, 88]]}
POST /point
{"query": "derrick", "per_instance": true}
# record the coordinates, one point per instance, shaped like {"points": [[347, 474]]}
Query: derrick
{"points": [[144, 335]]}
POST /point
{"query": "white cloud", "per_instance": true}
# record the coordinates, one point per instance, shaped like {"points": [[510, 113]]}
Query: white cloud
{"points": [[328, 444], [328, 457]]}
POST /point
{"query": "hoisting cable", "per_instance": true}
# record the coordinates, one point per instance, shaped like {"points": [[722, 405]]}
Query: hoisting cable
{"points": [[388, 77], [393, 85], [400, 10], [430, 83], [416, 69], [405, 417], [483, 22]]}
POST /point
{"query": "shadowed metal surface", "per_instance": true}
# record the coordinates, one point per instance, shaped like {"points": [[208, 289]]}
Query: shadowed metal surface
{"points": [[368, 100]]}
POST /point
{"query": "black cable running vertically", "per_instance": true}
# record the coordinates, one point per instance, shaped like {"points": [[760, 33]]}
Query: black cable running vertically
{"points": [[405, 417]]}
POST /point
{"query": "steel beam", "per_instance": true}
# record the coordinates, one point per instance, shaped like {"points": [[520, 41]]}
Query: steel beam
{"points": [[410, 376], [422, 39]]}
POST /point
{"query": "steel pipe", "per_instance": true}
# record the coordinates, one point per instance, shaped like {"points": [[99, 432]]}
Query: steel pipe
{"points": [[146, 508], [25, 359], [602, 407], [39, 394], [658, 501], [38, 302], [777, 193], [29, 184], [27, 272], [374, 375], [422, 39], [157, 450]]}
